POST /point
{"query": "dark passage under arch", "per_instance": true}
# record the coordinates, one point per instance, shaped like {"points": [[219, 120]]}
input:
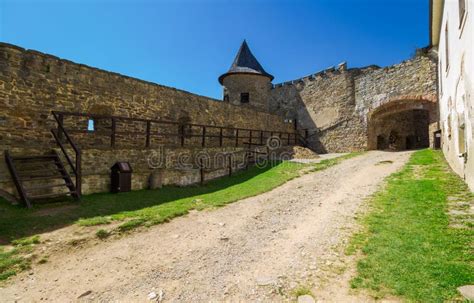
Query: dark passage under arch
{"points": [[401, 125]]}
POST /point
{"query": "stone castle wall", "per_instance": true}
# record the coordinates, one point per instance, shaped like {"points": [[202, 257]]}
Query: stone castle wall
{"points": [[33, 84], [413, 79], [334, 104]]}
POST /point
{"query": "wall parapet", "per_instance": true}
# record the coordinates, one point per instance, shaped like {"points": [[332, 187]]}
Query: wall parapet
{"points": [[59, 60], [320, 100], [33, 84], [327, 72]]}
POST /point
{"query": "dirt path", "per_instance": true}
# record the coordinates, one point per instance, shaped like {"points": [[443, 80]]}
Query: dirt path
{"points": [[257, 249]]}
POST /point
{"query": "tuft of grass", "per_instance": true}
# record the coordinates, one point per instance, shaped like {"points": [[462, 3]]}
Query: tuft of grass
{"points": [[102, 234], [301, 291], [408, 248], [355, 243], [27, 241], [13, 261], [132, 224], [94, 221]]}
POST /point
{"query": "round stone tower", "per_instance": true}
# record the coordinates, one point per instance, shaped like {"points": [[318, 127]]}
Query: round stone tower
{"points": [[246, 83]]}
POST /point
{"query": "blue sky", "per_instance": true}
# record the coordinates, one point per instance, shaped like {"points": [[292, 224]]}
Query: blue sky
{"points": [[187, 44]]}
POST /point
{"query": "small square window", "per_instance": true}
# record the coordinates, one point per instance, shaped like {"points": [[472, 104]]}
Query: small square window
{"points": [[90, 125], [244, 98]]}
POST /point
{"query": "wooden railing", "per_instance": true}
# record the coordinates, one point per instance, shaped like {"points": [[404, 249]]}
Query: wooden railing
{"points": [[59, 133], [226, 136], [252, 137]]}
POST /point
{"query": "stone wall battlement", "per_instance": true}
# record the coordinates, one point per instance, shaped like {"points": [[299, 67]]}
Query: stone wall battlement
{"points": [[320, 101], [44, 64], [33, 84], [326, 73]]}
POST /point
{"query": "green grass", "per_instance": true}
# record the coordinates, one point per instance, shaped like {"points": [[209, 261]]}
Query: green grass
{"points": [[102, 234], [94, 221], [301, 291], [13, 260], [138, 208], [331, 162], [408, 248], [27, 241]]}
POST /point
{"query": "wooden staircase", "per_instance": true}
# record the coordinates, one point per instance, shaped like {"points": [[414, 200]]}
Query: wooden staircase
{"points": [[40, 177]]}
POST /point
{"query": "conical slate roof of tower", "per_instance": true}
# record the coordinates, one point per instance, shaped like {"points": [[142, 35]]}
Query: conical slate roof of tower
{"points": [[245, 63]]}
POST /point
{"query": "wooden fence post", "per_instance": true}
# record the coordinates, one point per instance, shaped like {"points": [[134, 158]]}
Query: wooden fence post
{"points": [[220, 137], [203, 136], [237, 137]]}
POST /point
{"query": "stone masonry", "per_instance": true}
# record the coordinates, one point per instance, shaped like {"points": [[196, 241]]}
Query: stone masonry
{"points": [[339, 109], [335, 104], [32, 84]]}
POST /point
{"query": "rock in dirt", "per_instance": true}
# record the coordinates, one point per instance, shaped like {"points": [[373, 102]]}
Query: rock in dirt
{"points": [[152, 295], [306, 299], [160, 295], [467, 291], [85, 294], [264, 281]]}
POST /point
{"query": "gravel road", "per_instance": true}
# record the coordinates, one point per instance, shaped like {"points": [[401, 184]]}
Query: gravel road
{"points": [[257, 249]]}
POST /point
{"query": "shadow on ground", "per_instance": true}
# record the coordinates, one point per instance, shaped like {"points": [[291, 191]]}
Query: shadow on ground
{"points": [[17, 222]]}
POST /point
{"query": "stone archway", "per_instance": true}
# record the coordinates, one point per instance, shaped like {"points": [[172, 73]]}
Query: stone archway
{"points": [[402, 124]]}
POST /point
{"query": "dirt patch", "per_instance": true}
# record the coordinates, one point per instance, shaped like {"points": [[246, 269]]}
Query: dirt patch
{"points": [[258, 249], [418, 171], [54, 210], [299, 152]]}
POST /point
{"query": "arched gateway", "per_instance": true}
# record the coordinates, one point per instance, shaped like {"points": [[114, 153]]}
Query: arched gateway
{"points": [[402, 123]]}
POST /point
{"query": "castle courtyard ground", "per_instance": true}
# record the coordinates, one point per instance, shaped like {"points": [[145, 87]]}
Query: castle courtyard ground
{"points": [[264, 248]]}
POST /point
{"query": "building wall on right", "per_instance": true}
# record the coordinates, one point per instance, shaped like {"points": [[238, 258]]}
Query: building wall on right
{"points": [[455, 76]]}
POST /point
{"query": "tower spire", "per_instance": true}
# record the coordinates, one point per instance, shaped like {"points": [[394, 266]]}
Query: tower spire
{"points": [[245, 63]]}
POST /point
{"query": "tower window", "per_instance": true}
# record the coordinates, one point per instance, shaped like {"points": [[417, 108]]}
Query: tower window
{"points": [[244, 98]]}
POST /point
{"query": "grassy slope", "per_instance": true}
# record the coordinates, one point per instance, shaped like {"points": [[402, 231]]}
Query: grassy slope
{"points": [[408, 248], [143, 207]]}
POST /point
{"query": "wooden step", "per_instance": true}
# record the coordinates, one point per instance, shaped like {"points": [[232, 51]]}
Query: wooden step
{"points": [[41, 177], [52, 195], [47, 186], [27, 173], [34, 158], [24, 169]]}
